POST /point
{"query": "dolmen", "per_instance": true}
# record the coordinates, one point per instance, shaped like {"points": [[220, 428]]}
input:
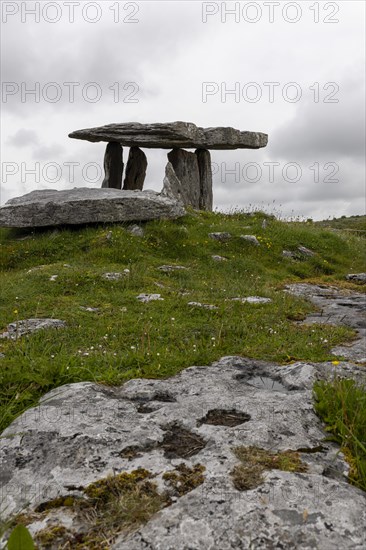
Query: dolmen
{"points": [[187, 182]]}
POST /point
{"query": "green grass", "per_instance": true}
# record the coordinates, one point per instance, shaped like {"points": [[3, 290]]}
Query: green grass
{"points": [[341, 404], [128, 339]]}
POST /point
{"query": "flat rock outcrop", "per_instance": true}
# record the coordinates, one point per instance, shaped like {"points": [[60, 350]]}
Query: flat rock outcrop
{"points": [[80, 433], [337, 307], [85, 205], [173, 135]]}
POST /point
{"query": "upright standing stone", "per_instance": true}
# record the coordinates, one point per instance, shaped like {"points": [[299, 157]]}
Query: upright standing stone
{"points": [[204, 166], [185, 166], [135, 170], [113, 166]]}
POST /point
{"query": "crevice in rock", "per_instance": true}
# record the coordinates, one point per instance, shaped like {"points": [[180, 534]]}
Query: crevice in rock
{"points": [[222, 417]]}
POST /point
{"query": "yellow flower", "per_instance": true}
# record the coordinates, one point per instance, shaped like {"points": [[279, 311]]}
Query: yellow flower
{"points": [[15, 311], [335, 363]]}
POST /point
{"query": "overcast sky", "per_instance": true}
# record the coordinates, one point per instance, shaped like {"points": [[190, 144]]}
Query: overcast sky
{"points": [[294, 70]]}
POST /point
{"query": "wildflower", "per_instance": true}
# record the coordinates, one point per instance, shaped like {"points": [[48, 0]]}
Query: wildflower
{"points": [[15, 311], [335, 363]]}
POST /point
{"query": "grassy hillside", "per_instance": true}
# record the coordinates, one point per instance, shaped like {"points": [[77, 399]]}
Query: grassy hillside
{"points": [[125, 338]]}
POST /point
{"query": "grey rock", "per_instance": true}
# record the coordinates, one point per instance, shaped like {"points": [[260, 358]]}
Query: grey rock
{"points": [[306, 251], [205, 171], [185, 166], [173, 135], [264, 224], [87, 205], [90, 309], [172, 187], [356, 277], [222, 237], [145, 298], [2, 355], [337, 307], [27, 326], [116, 276], [219, 258], [170, 268], [78, 433], [250, 238], [136, 231], [113, 166], [288, 254], [135, 169], [204, 306], [252, 300]]}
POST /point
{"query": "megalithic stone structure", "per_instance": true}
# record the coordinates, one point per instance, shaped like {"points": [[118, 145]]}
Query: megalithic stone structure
{"points": [[192, 170], [113, 166], [185, 165], [204, 166], [135, 170]]}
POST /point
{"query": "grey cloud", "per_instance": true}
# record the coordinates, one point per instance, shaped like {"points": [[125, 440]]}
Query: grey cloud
{"points": [[23, 138]]}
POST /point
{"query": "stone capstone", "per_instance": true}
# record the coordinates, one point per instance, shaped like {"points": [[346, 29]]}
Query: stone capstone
{"points": [[85, 205], [185, 166], [113, 166], [135, 170], [173, 135], [81, 433]]}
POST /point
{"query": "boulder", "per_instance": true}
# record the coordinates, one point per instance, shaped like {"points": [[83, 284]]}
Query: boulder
{"points": [[185, 166], [87, 205], [113, 166], [173, 135], [135, 170], [81, 433], [205, 171]]}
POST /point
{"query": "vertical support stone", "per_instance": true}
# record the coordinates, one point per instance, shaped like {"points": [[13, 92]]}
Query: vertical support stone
{"points": [[185, 166], [204, 166], [113, 166], [135, 169]]}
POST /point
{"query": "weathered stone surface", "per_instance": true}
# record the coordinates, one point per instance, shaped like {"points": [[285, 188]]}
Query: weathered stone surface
{"points": [[86, 205], [185, 166], [222, 237], [135, 170], [26, 326], [113, 166], [217, 258], [172, 187], [170, 268], [251, 238], [205, 171], [136, 231], [79, 434], [173, 135], [252, 300], [356, 277], [337, 307], [211, 307], [116, 276], [145, 298]]}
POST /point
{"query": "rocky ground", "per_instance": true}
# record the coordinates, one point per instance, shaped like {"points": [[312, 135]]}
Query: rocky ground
{"points": [[81, 433]]}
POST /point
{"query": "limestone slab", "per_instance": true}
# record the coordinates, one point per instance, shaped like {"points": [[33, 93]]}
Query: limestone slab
{"points": [[173, 135]]}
